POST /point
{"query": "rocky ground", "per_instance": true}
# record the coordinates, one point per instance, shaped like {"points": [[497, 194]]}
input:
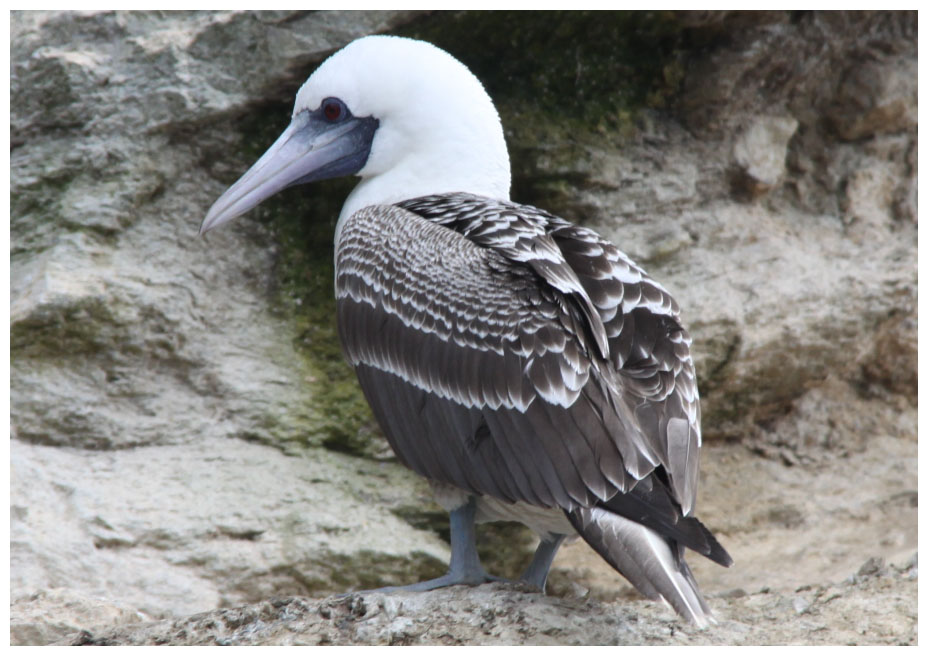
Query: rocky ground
{"points": [[191, 462], [872, 607]]}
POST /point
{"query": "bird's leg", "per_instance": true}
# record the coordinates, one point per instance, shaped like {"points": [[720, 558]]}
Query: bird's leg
{"points": [[465, 567], [465, 564], [537, 572]]}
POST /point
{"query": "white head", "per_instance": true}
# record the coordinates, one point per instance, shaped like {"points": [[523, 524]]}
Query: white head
{"points": [[405, 116]]}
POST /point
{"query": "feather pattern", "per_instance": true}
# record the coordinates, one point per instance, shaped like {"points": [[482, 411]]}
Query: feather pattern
{"points": [[427, 315], [510, 354]]}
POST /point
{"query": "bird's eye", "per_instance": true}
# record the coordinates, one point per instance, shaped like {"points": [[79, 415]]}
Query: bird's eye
{"points": [[333, 109]]}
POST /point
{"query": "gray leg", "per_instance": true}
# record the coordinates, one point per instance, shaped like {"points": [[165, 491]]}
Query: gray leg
{"points": [[537, 572], [465, 568]]}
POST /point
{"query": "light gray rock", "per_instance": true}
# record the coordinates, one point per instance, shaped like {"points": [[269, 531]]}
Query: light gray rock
{"points": [[178, 529], [51, 616], [495, 615], [759, 152]]}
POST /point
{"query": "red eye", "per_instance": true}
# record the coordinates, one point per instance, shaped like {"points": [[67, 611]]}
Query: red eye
{"points": [[332, 110]]}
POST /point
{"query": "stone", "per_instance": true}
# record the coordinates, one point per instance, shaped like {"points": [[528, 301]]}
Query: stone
{"points": [[180, 529], [877, 97], [53, 615], [497, 615], [759, 153]]}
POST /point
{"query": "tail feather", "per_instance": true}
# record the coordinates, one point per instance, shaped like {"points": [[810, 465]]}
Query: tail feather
{"points": [[649, 561], [651, 503]]}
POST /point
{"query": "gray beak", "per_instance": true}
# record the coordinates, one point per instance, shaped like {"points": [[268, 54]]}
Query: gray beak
{"points": [[310, 149]]}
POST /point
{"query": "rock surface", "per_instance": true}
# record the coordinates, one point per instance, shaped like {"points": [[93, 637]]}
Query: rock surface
{"points": [[760, 153], [185, 436], [498, 615]]}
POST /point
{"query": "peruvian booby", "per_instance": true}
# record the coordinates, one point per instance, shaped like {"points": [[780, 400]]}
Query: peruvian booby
{"points": [[522, 364]]}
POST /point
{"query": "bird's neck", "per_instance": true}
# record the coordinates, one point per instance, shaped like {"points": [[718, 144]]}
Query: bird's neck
{"points": [[420, 175]]}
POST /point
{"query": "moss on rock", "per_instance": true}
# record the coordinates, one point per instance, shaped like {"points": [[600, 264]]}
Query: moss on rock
{"points": [[580, 69]]}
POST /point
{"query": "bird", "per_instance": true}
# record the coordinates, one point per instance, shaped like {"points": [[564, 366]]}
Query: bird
{"points": [[521, 363]]}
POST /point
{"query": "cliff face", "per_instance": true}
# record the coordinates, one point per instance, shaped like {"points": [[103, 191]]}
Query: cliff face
{"points": [[186, 436]]}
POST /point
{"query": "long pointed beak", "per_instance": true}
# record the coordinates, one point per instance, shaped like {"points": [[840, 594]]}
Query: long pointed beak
{"points": [[309, 149]]}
